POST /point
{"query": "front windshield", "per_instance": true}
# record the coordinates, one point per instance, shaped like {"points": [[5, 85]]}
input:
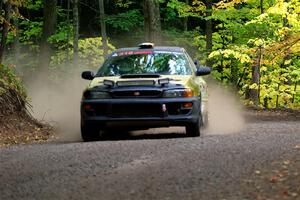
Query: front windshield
{"points": [[165, 63]]}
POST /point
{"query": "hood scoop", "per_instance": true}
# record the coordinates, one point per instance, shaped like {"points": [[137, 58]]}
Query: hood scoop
{"points": [[127, 76], [136, 83]]}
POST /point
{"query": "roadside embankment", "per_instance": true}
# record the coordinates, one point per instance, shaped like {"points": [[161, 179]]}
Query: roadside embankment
{"points": [[17, 126]]}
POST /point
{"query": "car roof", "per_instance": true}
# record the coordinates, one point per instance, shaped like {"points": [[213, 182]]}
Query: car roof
{"points": [[155, 48]]}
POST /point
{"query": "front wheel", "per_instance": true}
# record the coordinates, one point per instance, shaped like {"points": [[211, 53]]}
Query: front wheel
{"points": [[193, 129]]}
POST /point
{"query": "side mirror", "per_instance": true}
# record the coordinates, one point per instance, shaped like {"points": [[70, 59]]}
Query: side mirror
{"points": [[88, 75], [196, 62], [201, 71]]}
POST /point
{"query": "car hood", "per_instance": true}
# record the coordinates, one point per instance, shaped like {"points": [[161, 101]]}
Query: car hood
{"points": [[182, 80]]}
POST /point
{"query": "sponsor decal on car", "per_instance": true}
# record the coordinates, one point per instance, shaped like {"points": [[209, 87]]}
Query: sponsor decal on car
{"points": [[126, 53]]}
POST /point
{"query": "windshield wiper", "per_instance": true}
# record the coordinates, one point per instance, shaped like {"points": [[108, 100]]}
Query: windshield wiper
{"points": [[148, 75]]}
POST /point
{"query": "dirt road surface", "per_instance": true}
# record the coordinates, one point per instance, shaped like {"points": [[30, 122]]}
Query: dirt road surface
{"points": [[161, 166]]}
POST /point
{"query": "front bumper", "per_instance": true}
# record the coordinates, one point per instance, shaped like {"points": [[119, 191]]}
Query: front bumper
{"points": [[138, 113]]}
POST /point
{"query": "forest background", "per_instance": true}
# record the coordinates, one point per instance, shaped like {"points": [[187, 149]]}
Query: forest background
{"points": [[253, 46]]}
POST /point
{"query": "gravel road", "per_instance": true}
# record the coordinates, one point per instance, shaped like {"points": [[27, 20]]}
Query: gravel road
{"points": [[161, 166]]}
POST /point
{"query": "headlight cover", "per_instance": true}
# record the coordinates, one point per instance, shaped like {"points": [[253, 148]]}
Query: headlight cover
{"points": [[178, 93], [96, 95]]}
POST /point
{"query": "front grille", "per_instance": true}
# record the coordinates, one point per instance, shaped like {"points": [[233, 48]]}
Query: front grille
{"points": [[137, 94], [136, 110], [123, 110], [174, 108]]}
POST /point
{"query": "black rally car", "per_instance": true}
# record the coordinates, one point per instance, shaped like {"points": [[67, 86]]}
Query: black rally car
{"points": [[144, 87]]}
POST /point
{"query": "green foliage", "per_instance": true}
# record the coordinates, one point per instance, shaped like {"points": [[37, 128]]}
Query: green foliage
{"points": [[243, 37], [185, 10], [9, 80], [126, 21], [175, 37], [34, 4], [230, 54], [63, 36], [90, 56], [170, 17], [30, 31], [240, 35], [182, 8], [90, 52], [123, 3]]}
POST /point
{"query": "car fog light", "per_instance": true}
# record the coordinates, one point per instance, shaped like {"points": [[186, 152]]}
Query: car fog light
{"points": [[87, 107], [187, 105]]}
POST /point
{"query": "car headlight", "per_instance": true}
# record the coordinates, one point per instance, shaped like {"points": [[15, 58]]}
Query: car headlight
{"points": [[178, 93], [96, 95]]}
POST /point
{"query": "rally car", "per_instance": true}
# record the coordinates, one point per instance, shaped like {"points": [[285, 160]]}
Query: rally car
{"points": [[144, 87]]}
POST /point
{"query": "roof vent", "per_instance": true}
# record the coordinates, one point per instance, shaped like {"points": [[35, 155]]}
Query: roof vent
{"points": [[146, 45]]}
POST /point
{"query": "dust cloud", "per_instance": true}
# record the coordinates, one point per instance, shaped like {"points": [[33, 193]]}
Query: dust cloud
{"points": [[225, 111], [59, 104]]}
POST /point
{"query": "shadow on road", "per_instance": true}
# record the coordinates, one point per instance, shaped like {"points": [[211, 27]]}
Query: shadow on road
{"points": [[122, 135], [125, 136], [113, 136]]}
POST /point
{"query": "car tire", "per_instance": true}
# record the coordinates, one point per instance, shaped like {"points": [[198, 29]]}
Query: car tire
{"points": [[90, 133], [193, 129]]}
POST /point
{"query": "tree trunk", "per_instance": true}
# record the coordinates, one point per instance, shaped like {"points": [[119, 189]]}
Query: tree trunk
{"points": [[76, 31], [49, 28], [208, 30], [277, 97], [146, 21], [103, 27], [152, 22], [68, 33], [261, 6], [234, 73], [185, 20], [295, 89], [16, 46], [7, 9], [254, 93]]}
